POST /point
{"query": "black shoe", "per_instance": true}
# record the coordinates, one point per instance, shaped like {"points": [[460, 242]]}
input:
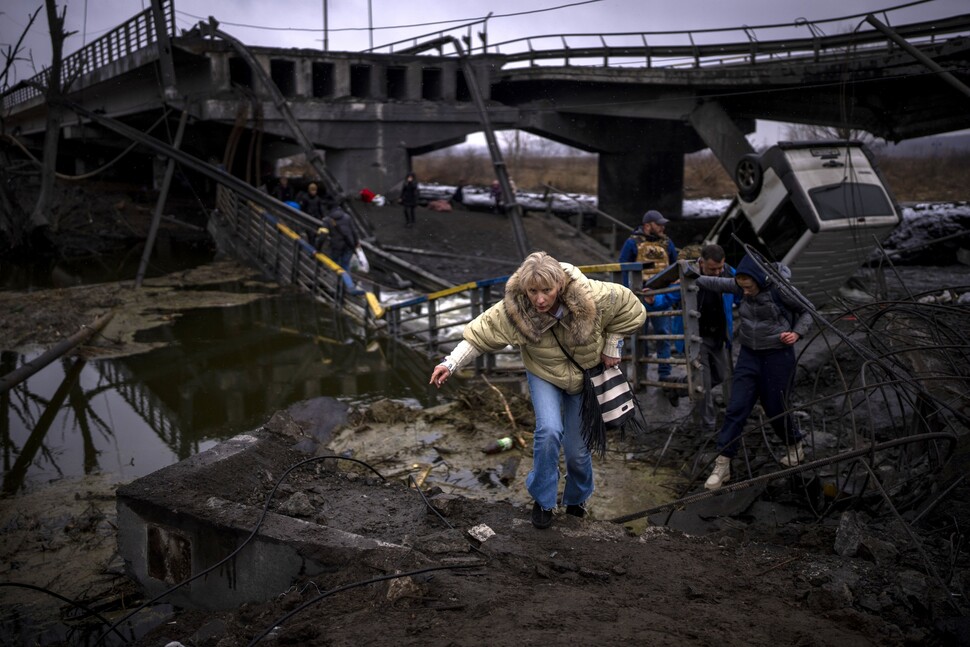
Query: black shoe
{"points": [[576, 511], [541, 518]]}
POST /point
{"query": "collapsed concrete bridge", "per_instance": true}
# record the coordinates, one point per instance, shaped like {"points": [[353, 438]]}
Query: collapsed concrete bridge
{"points": [[641, 107]]}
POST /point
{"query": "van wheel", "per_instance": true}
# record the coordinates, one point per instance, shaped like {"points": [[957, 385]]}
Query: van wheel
{"points": [[748, 176]]}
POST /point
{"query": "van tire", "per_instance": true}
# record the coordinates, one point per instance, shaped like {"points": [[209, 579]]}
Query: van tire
{"points": [[748, 177]]}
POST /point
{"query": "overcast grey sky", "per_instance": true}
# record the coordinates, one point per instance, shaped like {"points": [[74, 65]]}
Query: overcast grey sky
{"points": [[354, 24]]}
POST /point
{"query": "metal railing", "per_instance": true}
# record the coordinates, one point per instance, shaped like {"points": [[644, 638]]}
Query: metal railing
{"points": [[672, 49], [275, 242], [133, 35]]}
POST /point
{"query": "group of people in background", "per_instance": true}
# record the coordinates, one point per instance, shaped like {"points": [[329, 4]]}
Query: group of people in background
{"points": [[335, 234], [772, 320]]}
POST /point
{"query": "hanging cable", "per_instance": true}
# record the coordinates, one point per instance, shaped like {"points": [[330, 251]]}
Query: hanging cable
{"points": [[85, 176]]}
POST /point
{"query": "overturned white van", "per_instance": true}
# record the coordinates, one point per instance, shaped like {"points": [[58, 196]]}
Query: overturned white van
{"points": [[818, 207]]}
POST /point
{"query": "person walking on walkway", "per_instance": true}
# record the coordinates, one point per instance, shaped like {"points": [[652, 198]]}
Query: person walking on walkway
{"points": [[409, 198], [343, 238], [771, 323], [548, 303]]}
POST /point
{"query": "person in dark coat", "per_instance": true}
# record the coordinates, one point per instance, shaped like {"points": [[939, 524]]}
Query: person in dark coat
{"points": [[343, 238], [283, 191], [311, 202], [409, 198]]}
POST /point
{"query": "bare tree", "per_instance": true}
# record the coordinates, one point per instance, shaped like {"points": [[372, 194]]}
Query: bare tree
{"points": [[12, 217], [56, 87]]}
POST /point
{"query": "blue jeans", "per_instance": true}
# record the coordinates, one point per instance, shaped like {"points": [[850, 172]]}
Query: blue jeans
{"points": [[344, 260], [557, 425], [759, 375]]}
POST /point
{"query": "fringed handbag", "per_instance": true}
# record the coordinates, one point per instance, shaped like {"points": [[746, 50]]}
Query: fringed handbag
{"points": [[608, 403]]}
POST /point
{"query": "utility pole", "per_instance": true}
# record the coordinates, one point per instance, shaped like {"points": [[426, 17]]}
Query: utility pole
{"points": [[326, 43]]}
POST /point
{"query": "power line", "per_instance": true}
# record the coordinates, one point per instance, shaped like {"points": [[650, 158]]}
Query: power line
{"points": [[407, 26]]}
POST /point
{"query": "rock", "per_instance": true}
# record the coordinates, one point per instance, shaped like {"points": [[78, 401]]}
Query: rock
{"points": [[881, 552], [281, 423], [319, 417], [446, 504], [402, 587], [848, 538], [913, 589], [298, 505]]}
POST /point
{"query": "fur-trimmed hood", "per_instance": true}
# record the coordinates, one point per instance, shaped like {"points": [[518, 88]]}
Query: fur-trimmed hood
{"points": [[576, 297]]}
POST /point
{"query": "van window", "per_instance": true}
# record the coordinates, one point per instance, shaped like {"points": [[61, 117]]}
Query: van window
{"points": [[850, 200], [782, 230]]}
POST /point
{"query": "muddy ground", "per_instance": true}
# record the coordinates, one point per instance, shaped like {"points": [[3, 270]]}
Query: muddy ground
{"points": [[765, 571]]}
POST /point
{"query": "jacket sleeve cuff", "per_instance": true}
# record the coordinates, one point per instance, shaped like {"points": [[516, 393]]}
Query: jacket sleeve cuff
{"points": [[462, 355], [613, 346]]}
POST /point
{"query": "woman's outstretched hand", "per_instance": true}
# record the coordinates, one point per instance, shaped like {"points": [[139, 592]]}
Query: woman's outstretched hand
{"points": [[439, 375]]}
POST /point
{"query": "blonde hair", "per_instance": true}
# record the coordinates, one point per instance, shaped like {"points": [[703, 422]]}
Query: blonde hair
{"points": [[541, 270]]}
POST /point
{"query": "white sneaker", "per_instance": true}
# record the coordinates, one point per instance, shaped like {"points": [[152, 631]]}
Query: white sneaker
{"points": [[720, 475], [794, 455]]}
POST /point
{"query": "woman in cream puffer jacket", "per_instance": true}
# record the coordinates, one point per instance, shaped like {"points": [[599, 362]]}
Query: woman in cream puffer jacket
{"points": [[545, 300]]}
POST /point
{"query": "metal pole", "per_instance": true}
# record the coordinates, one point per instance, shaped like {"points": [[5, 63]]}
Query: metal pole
{"points": [[918, 55], [326, 42], [162, 197], [164, 51], [370, 23]]}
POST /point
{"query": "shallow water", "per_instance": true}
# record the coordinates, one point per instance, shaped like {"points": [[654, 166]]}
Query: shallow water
{"points": [[222, 371]]}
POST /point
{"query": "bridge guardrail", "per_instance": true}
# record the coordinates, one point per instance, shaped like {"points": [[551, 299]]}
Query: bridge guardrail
{"points": [[281, 251], [131, 36], [660, 50]]}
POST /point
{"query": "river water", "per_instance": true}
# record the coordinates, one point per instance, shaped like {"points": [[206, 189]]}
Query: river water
{"points": [[222, 371]]}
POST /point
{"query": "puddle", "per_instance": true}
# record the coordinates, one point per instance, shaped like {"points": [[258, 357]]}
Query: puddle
{"points": [[218, 372]]}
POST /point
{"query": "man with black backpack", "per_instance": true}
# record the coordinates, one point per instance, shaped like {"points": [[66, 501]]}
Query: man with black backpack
{"points": [[771, 322]]}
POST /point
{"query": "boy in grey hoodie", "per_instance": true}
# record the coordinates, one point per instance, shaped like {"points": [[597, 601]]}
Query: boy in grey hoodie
{"points": [[771, 323]]}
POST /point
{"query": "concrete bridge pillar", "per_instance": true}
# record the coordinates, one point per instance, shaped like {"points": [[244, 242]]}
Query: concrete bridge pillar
{"points": [[379, 170], [641, 161], [630, 183]]}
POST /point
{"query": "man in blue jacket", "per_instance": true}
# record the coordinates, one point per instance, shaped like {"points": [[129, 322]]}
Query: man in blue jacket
{"points": [[716, 326], [649, 244]]}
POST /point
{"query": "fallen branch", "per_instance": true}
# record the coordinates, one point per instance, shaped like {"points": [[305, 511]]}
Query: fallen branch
{"points": [[17, 376], [508, 412]]}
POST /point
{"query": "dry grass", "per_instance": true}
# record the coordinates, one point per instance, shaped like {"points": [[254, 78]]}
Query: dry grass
{"points": [[912, 179]]}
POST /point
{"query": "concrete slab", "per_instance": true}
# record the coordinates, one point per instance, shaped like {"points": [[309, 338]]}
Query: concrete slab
{"points": [[181, 523]]}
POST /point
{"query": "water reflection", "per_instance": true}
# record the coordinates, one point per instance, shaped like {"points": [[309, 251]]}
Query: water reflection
{"points": [[223, 371]]}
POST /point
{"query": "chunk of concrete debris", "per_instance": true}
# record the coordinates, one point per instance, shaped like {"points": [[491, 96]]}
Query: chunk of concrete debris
{"points": [[402, 587], [481, 533], [298, 505], [848, 538]]}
